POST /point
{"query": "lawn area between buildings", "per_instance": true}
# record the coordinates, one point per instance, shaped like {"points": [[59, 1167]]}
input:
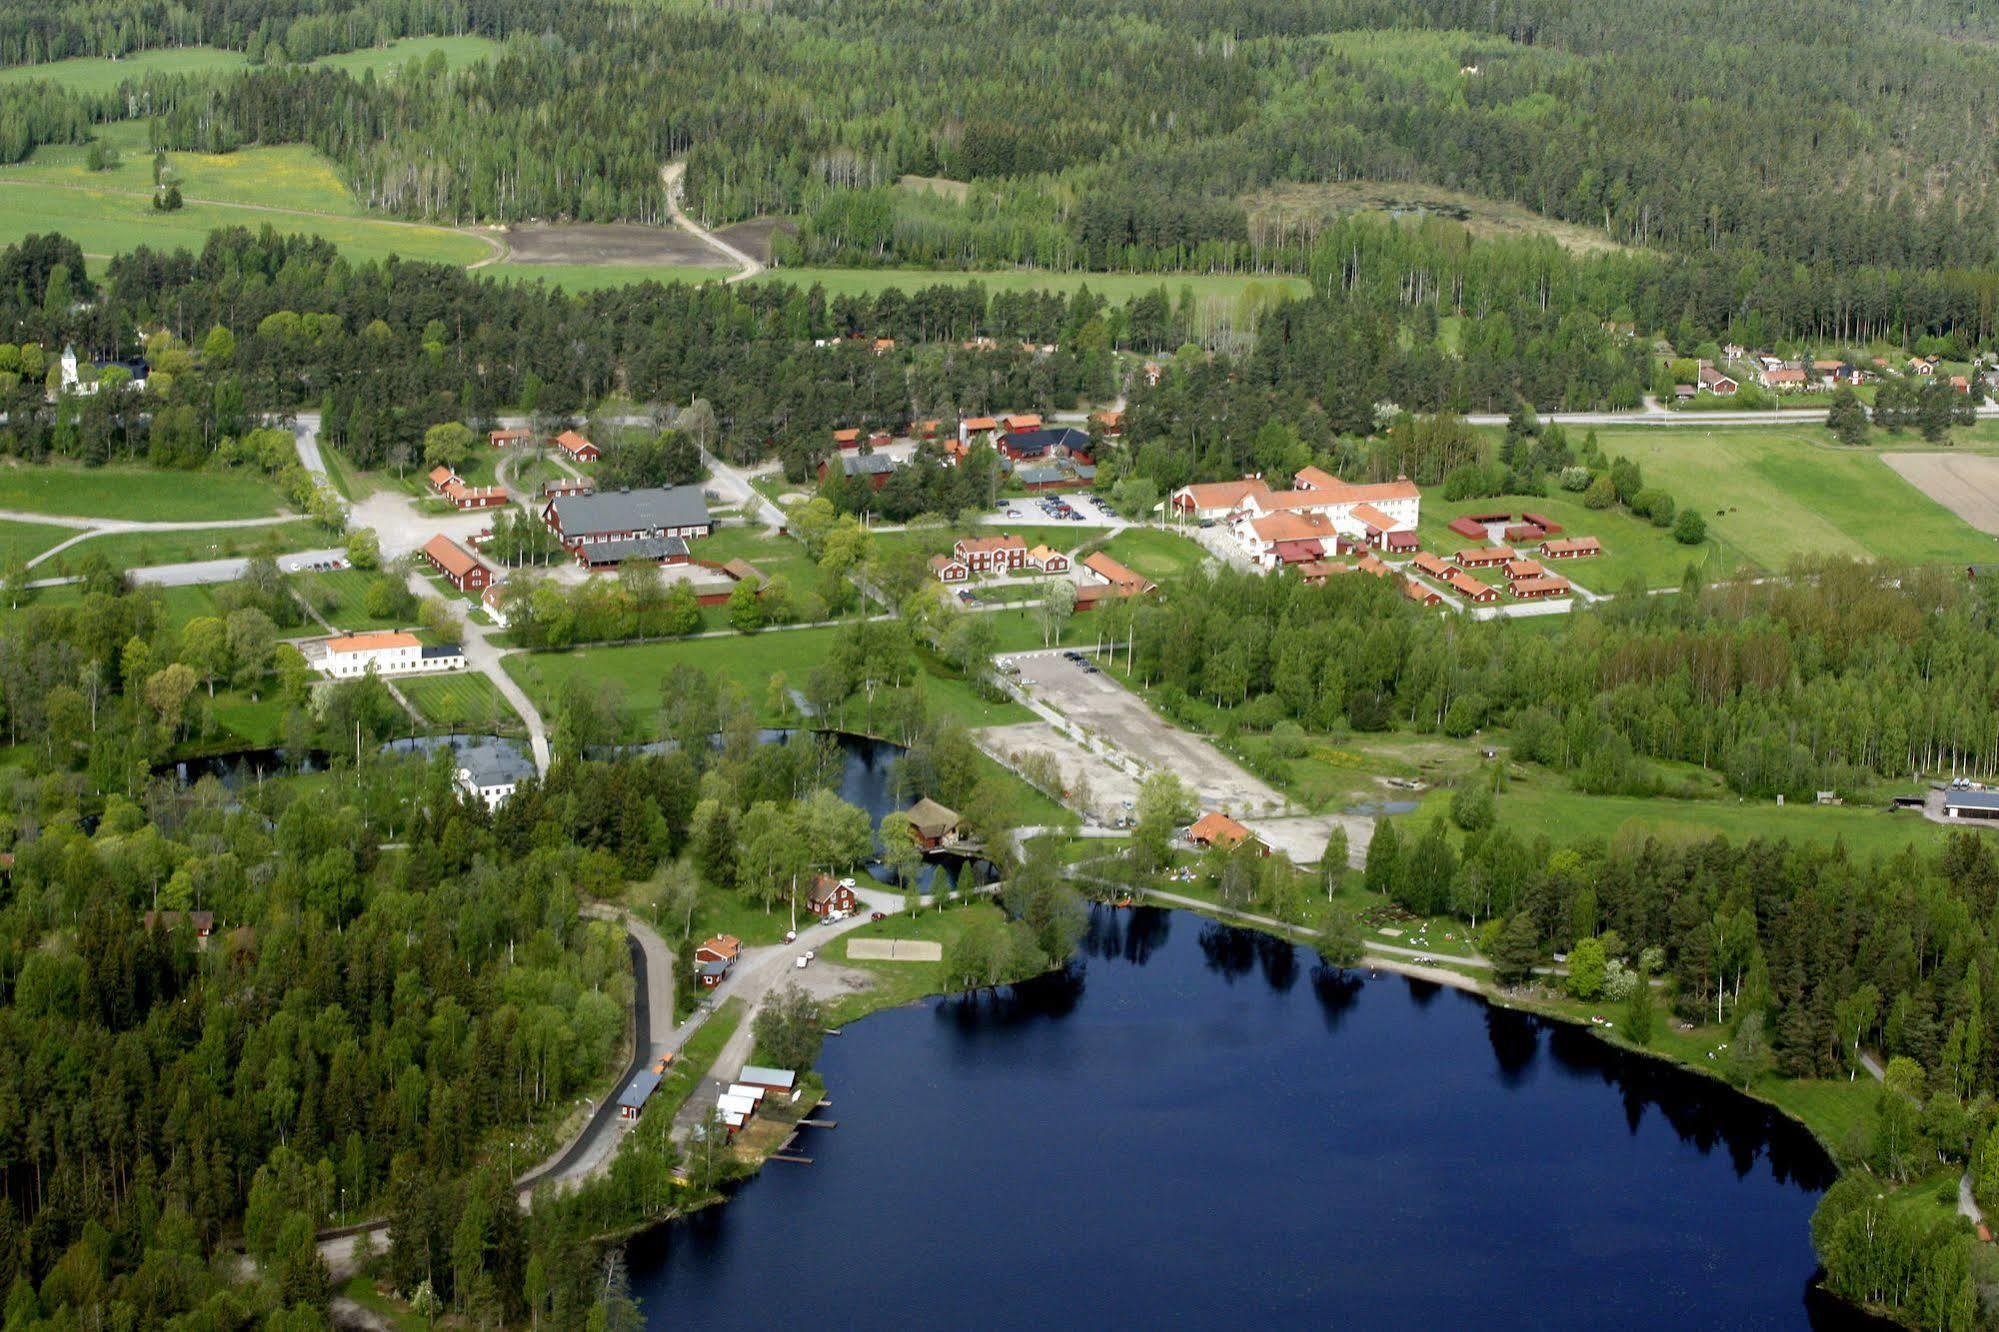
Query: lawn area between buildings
{"points": [[1632, 547], [141, 494], [461, 701], [777, 556], [342, 596], [1160, 556], [1773, 493]]}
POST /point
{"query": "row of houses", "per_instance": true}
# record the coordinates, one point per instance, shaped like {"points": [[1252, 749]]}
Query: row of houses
{"points": [[1002, 554], [448, 485], [571, 444]]}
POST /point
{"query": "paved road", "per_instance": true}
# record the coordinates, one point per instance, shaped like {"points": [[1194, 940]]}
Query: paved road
{"points": [[732, 483], [673, 175], [483, 656]]}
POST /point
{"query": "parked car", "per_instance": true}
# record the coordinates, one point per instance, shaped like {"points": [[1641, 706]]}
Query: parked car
{"points": [[800, 963], [877, 916]]}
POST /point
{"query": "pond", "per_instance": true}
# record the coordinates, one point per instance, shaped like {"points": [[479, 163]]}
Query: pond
{"points": [[1202, 1126]]}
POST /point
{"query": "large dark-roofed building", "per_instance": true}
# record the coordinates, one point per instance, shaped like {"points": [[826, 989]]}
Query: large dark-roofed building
{"points": [[585, 521]]}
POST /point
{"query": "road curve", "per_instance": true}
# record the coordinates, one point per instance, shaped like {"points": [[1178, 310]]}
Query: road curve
{"points": [[671, 175]]}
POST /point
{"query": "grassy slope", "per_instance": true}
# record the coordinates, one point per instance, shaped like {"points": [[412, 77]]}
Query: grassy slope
{"points": [[29, 539], [137, 493]]}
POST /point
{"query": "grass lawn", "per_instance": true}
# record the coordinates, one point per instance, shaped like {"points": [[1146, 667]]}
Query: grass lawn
{"points": [[928, 541], [463, 701], [1633, 548], [28, 540], [726, 911], [397, 1315], [1160, 556], [750, 660], [97, 75], [775, 555], [341, 596], [903, 982], [1541, 802], [138, 493], [139, 550], [254, 722], [182, 604], [1772, 493], [693, 1060]]}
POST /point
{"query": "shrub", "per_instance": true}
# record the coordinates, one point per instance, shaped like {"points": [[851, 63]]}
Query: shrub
{"points": [[1472, 807], [1602, 493], [1689, 528], [1576, 479]]}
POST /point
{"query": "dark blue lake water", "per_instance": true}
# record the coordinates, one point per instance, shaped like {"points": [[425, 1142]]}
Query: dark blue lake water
{"points": [[1200, 1126]]}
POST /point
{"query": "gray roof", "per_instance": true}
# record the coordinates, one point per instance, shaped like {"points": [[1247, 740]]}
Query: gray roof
{"points": [[1038, 476], [767, 1077], [442, 650], [492, 762], [631, 510], [718, 967], [866, 464], [643, 1084], [1971, 800], [634, 548]]}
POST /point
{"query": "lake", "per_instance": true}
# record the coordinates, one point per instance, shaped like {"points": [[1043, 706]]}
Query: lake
{"points": [[1196, 1125]]}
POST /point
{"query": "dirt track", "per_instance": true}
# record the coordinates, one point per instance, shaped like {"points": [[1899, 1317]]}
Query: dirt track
{"points": [[1965, 483], [609, 243]]}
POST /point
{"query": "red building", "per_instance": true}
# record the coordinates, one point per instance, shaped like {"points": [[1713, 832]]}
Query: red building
{"points": [[832, 898], [577, 447], [456, 563]]}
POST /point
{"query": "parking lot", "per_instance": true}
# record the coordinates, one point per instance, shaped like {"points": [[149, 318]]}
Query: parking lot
{"points": [[1102, 707], [1078, 507]]}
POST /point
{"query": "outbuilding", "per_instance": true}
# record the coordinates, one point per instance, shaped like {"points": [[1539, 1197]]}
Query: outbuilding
{"points": [[1982, 805], [457, 564], [632, 1100], [776, 1081]]}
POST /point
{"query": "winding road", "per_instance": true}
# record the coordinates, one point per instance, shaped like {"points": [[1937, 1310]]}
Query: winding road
{"points": [[673, 176]]}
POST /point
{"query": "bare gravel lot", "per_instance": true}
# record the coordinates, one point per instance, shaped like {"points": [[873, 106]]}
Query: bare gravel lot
{"points": [[609, 243], [1965, 483], [1102, 706]]}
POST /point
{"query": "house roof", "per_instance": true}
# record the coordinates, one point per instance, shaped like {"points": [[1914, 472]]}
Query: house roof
{"points": [[372, 642], [1524, 569], [726, 945], [571, 442], [1022, 421], [1314, 478], [1039, 440], [453, 558], [1291, 526], [1430, 564], [1533, 586], [1111, 571], [1298, 552], [824, 888], [1572, 546], [1464, 583], [932, 819], [1222, 494], [867, 464], [1971, 799], [1415, 591], [742, 571], [1215, 826], [847, 436], [1369, 564], [763, 1075], [440, 475], [491, 762], [1486, 555], [1041, 476], [1042, 554], [637, 548], [1402, 540], [631, 510], [981, 545], [979, 423], [508, 435], [1373, 517], [946, 562]]}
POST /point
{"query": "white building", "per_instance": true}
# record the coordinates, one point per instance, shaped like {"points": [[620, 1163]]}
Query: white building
{"points": [[353, 656], [490, 599], [1276, 527], [492, 770]]}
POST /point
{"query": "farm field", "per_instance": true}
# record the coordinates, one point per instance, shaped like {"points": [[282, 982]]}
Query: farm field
{"points": [[1633, 547], [138, 493], [750, 660], [1771, 494]]}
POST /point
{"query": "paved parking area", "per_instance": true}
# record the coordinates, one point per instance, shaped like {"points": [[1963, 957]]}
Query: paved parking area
{"points": [[1104, 708], [1090, 511]]}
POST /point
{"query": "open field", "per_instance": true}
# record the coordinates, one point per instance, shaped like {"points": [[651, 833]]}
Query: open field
{"points": [[1773, 493], [1965, 483], [138, 493], [610, 244], [95, 75], [27, 540], [138, 550], [775, 555], [750, 660], [1633, 547], [1299, 203]]}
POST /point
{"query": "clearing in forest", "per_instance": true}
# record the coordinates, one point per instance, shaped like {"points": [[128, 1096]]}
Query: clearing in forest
{"points": [[1288, 209]]}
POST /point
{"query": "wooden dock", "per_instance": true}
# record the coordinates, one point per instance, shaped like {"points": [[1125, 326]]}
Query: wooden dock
{"points": [[819, 1123], [791, 1157]]}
